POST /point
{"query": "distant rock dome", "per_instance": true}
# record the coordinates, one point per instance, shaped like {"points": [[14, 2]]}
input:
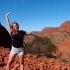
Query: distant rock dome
{"points": [[47, 30], [65, 26]]}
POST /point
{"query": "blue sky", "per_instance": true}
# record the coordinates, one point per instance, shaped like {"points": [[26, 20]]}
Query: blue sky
{"points": [[34, 15]]}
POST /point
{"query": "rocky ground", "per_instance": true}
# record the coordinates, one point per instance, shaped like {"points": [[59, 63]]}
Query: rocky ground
{"points": [[32, 62]]}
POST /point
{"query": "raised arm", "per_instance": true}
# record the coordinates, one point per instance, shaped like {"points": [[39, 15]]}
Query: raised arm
{"points": [[8, 22]]}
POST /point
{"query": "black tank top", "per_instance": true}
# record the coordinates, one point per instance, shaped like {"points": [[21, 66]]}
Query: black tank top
{"points": [[17, 39]]}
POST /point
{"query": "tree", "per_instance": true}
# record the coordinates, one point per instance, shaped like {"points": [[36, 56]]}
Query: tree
{"points": [[49, 48]]}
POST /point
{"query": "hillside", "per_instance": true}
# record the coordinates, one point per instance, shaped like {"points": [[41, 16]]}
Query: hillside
{"points": [[64, 49], [48, 30], [57, 37], [65, 26]]}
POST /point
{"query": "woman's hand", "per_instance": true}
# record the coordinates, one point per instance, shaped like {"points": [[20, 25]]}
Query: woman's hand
{"points": [[7, 13]]}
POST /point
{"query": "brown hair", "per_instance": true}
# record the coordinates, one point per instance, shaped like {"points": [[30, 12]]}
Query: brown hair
{"points": [[13, 31]]}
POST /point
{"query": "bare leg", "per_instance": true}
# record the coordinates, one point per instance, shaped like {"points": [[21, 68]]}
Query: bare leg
{"points": [[21, 61], [11, 57]]}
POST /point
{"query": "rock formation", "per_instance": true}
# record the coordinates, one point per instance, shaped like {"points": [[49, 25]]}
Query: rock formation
{"points": [[5, 38], [65, 26], [48, 30], [64, 49]]}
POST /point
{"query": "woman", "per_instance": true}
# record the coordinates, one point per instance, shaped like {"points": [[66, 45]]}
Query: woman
{"points": [[17, 44]]}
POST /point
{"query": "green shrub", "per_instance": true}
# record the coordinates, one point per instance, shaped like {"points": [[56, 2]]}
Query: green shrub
{"points": [[49, 48], [40, 45]]}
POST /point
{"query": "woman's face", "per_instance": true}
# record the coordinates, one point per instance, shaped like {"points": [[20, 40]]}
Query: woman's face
{"points": [[15, 27]]}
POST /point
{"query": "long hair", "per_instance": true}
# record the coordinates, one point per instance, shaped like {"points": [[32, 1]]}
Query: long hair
{"points": [[14, 31]]}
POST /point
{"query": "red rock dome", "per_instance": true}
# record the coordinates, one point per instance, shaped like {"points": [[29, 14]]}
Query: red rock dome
{"points": [[47, 30], [64, 48], [65, 26]]}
